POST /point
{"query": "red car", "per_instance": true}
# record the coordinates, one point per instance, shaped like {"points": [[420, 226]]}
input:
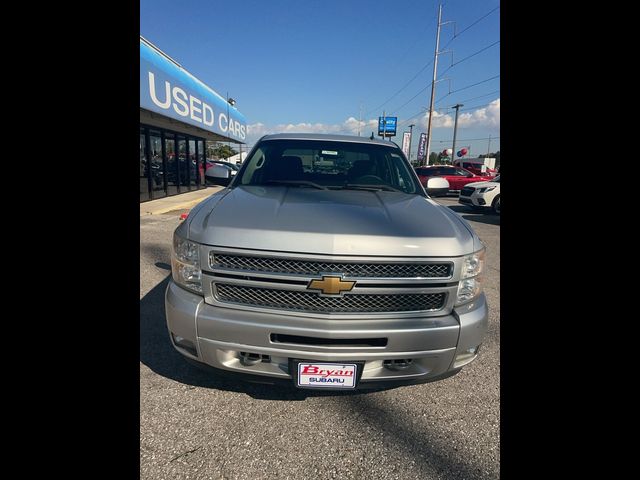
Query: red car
{"points": [[456, 176]]}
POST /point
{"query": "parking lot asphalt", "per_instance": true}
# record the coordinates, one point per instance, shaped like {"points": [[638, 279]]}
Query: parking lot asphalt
{"points": [[196, 426]]}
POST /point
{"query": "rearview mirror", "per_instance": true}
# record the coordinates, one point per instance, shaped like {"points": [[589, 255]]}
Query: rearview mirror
{"points": [[217, 172], [437, 186]]}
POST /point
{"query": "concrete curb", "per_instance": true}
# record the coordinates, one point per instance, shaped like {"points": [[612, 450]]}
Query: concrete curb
{"points": [[177, 202]]}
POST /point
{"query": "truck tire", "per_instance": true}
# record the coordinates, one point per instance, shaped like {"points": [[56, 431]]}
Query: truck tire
{"points": [[495, 205]]}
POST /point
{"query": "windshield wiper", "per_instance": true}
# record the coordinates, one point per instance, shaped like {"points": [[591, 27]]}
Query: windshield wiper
{"points": [[295, 183], [372, 188]]}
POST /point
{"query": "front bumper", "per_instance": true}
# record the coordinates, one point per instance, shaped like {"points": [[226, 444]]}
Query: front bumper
{"points": [[220, 334], [477, 200]]}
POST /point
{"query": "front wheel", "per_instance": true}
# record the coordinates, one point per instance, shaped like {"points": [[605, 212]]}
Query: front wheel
{"points": [[496, 205]]}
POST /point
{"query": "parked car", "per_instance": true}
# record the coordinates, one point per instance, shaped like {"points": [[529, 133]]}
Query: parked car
{"points": [[222, 162], [456, 176], [476, 168], [339, 278], [482, 195]]}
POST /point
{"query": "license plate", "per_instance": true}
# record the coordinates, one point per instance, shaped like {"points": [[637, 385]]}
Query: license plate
{"points": [[327, 375]]}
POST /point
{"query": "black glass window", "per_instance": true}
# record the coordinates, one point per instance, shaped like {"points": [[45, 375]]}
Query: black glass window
{"points": [[201, 161], [193, 165], [182, 165], [172, 164], [144, 181], [157, 164]]}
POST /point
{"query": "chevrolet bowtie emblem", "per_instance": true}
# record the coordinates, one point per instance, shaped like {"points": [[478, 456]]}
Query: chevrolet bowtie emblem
{"points": [[331, 285]]}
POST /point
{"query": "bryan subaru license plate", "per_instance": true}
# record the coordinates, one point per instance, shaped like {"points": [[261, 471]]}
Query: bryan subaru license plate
{"points": [[322, 375]]}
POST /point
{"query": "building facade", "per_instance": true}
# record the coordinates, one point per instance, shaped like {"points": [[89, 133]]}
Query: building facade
{"points": [[180, 117]]}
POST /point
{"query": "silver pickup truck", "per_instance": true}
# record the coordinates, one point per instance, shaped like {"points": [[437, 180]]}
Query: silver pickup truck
{"points": [[324, 264]]}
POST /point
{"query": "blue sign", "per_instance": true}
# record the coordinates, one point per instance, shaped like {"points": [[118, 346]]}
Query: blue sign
{"points": [[389, 126], [168, 89]]}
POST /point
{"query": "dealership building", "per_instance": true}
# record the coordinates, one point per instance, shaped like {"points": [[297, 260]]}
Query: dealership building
{"points": [[180, 118]]}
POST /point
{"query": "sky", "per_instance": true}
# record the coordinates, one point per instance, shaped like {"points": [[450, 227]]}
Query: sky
{"points": [[334, 66]]}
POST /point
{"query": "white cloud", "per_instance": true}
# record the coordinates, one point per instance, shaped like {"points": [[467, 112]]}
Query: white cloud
{"points": [[348, 127], [488, 116]]}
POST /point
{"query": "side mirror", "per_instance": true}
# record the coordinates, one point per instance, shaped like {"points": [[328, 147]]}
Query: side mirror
{"points": [[437, 186], [217, 172]]}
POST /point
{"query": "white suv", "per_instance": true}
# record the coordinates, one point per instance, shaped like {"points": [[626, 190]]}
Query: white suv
{"points": [[482, 194]]}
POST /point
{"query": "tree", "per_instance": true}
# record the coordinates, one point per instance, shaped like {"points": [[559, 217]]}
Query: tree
{"points": [[223, 151], [439, 159]]}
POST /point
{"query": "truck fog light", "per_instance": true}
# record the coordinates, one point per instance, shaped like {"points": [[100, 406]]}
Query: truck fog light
{"points": [[185, 344], [399, 364], [466, 356]]}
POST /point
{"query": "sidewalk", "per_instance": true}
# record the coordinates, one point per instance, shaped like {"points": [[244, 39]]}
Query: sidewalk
{"points": [[177, 202]]}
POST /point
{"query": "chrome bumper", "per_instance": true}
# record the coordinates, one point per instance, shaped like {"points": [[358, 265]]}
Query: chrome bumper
{"points": [[219, 334]]}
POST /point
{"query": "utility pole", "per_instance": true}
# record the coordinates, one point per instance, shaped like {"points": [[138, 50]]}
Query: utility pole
{"points": [[455, 129], [384, 125], [433, 83], [410, 139], [489, 146]]}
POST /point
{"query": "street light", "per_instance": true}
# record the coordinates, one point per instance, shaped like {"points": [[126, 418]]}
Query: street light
{"points": [[455, 128], [410, 139], [232, 102]]}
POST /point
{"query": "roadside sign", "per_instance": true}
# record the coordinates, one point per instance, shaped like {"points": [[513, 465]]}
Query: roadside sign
{"points": [[422, 146], [390, 124], [406, 141]]}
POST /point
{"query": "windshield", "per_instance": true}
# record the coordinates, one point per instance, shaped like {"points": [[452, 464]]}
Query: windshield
{"points": [[329, 164]]}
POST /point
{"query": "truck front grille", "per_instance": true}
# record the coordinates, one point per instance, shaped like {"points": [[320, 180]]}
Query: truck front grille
{"points": [[313, 302], [348, 269]]}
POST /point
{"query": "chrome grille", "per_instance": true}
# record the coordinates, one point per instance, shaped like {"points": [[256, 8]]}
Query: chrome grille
{"points": [[313, 302], [348, 269], [467, 191]]}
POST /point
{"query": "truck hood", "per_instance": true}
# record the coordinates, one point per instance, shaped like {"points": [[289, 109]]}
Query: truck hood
{"points": [[330, 222]]}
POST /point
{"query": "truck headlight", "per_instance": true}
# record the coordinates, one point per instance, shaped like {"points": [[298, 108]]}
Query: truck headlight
{"points": [[470, 285], [473, 264], [185, 264], [468, 289]]}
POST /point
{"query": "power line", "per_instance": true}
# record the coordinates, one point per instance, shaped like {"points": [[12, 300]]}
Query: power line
{"points": [[408, 101], [477, 106], [468, 86], [469, 56], [431, 61], [459, 61], [412, 117], [401, 59], [467, 28], [467, 139], [462, 110], [395, 94], [480, 96], [404, 122]]}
